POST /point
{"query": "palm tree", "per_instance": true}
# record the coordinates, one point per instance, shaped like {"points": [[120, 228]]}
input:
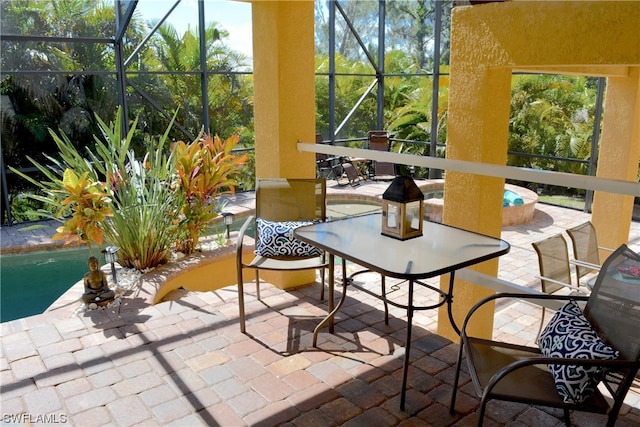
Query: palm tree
{"points": [[55, 100], [551, 116], [229, 94]]}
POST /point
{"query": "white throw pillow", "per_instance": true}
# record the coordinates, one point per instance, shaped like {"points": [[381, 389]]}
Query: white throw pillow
{"points": [[570, 335], [276, 239]]}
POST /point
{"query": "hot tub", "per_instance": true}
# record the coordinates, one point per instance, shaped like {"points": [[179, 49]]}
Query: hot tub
{"points": [[518, 207]]}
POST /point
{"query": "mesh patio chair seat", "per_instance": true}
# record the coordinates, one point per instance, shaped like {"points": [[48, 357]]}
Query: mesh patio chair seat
{"points": [[586, 250], [501, 370], [328, 167], [353, 177], [555, 270], [281, 205]]}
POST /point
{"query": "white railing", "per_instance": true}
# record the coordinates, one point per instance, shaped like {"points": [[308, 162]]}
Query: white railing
{"points": [[585, 182]]}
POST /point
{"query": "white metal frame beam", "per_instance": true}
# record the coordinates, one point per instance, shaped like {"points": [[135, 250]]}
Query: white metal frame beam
{"points": [[511, 172]]}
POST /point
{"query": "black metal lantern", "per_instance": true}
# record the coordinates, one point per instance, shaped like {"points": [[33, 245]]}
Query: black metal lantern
{"points": [[111, 256], [402, 209], [228, 220]]}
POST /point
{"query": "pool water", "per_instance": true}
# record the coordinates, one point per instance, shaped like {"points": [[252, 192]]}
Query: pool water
{"points": [[31, 282], [337, 209], [438, 194]]}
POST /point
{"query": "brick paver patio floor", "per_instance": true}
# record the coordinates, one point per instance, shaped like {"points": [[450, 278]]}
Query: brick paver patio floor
{"points": [[184, 362]]}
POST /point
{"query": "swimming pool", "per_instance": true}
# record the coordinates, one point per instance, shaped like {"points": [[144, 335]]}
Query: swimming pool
{"points": [[31, 282], [341, 208]]}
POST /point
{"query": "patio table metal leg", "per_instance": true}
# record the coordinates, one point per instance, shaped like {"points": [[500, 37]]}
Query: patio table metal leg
{"points": [[449, 297], [332, 260], [332, 313], [407, 347]]}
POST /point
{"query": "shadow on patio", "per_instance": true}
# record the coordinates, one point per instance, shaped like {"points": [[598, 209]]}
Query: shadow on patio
{"points": [[184, 362]]}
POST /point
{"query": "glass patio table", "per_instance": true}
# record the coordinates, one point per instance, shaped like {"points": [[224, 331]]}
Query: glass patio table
{"points": [[440, 250]]}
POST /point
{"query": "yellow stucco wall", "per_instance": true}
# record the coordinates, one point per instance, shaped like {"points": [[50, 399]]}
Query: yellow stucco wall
{"points": [[490, 41]]}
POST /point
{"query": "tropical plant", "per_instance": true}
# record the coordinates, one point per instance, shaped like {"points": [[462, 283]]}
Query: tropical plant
{"points": [[205, 168], [86, 200], [89, 203], [112, 194]]}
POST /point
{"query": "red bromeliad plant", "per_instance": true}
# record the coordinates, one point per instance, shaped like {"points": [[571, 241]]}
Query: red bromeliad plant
{"points": [[206, 168]]}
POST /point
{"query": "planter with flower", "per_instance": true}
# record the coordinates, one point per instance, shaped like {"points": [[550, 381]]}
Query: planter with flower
{"points": [[148, 206]]}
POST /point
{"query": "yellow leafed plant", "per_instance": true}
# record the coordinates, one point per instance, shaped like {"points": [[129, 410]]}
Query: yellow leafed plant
{"points": [[89, 204]]}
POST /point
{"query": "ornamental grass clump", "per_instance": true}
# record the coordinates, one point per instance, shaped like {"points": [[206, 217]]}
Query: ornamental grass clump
{"points": [[144, 216], [144, 202]]}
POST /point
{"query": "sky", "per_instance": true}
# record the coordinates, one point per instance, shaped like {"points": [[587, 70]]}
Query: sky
{"points": [[233, 16]]}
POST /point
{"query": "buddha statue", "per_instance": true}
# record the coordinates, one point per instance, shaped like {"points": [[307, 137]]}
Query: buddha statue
{"points": [[96, 289]]}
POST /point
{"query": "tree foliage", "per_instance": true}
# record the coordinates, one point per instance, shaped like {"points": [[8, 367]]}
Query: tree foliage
{"points": [[43, 101], [551, 115]]}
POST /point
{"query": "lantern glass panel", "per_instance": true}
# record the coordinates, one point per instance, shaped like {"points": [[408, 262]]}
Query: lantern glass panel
{"points": [[392, 216], [413, 220]]}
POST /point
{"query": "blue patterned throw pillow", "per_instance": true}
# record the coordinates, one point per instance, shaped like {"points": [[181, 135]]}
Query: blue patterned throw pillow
{"points": [[569, 334], [276, 239]]}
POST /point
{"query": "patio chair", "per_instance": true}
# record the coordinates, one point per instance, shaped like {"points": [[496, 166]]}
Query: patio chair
{"points": [[282, 205], [328, 167], [586, 251], [578, 349], [555, 271], [353, 176], [379, 140]]}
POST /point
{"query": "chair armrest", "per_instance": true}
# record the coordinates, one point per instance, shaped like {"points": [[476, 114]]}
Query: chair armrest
{"points": [[590, 265], [553, 302], [584, 264], [545, 360], [566, 285], [240, 238]]}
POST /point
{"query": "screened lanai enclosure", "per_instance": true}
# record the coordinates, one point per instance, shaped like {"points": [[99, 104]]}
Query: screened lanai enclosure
{"points": [[184, 66]]}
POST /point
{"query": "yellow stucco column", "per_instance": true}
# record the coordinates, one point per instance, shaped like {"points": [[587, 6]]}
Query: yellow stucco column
{"points": [[284, 98], [284, 87], [488, 41], [618, 158], [479, 106]]}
